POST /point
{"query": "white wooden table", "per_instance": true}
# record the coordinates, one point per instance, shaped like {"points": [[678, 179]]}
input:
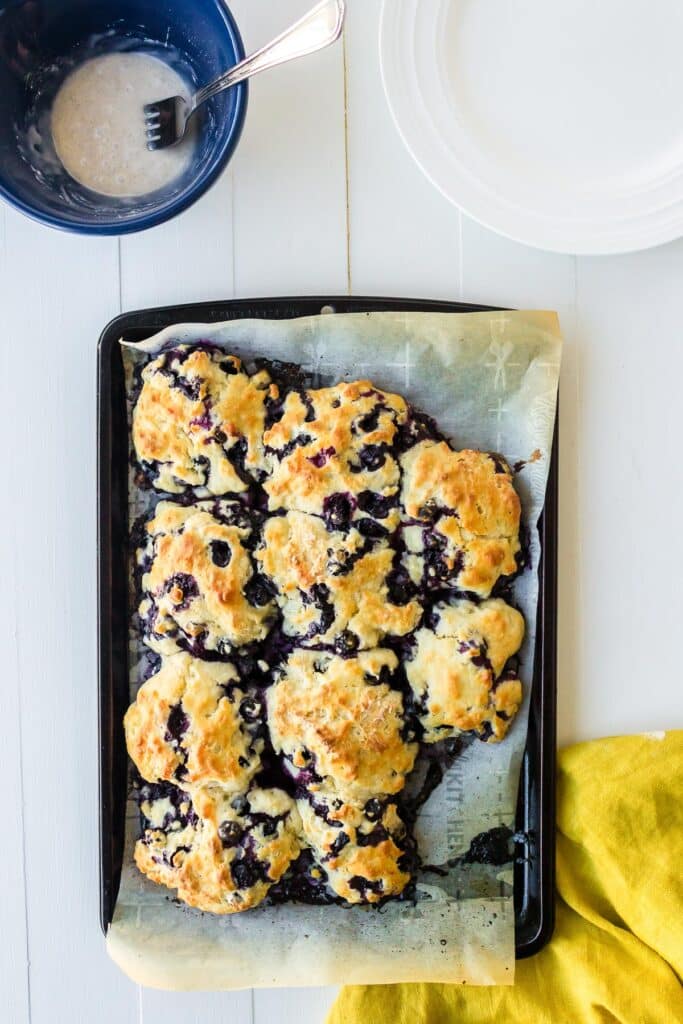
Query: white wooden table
{"points": [[321, 198]]}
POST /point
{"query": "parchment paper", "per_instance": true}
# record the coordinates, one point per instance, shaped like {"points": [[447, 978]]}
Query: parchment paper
{"points": [[490, 381]]}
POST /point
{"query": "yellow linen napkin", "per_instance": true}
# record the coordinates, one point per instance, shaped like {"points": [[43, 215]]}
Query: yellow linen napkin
{"points": [[617, 953]]}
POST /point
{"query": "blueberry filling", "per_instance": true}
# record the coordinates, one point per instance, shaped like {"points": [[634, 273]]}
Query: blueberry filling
{"points": [[248, 873], [400, 587], [323, 811], [372, 457], [230, 834], [288, 376], [320, 595], [237, 455], [365, 886], [221, 553], [269, 826], [499, 462], [492, 847], [370, 529], [233, 514], [303, 777], [338, 845], [181, 813], [437, 569], [275, 410], [378, 835], [337, 511], [259, 591], [251, 709], [375, 505], [204, 421], [304, 882], [419, 427], [347, 643], [177, 725], [323, 457], [189, 387], [202, 465], [297, 442], [383, 679], [373, 809], [370, 421]]}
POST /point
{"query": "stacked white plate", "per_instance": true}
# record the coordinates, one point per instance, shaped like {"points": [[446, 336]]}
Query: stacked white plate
{"points": [[556, 122]]}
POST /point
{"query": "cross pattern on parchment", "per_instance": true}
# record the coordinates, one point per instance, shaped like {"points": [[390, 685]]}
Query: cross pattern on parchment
{"points": [[501, 352], [499, 410]]}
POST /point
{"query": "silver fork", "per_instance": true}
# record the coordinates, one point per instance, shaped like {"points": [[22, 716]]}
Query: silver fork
{"points": [[166, 121]]}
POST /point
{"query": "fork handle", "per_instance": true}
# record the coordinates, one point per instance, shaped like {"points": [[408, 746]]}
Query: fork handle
{"points": [[317, 29]]}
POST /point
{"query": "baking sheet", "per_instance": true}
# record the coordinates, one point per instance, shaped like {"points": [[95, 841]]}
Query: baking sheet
{"points": [[490, 381]]}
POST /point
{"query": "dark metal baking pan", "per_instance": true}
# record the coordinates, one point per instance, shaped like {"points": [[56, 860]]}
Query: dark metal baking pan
{"points": [[535, 864]]}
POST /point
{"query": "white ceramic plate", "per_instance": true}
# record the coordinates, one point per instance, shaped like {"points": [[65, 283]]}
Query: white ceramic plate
{"points": [[556, 122]]}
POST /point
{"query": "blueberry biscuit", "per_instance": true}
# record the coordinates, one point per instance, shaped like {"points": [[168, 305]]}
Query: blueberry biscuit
{"points": [[193, 723], [201, 591], [329, 614], [169, 832], [455, 671], [365, 852], [462, 514], [340, 725], [199, 420], [334, 587], [221, 855], [333, 452]]}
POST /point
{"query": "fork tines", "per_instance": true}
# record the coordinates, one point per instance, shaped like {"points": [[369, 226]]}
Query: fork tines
{"points": [[152, 124]]}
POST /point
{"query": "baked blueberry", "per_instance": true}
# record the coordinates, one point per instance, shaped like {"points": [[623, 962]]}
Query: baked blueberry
{"points": [[222, 861], [169, 831], [193, 721], [350, 847], [362, 604], [462, 517], [201, 590], [346, 729], [199, 421], [455, 672], [349, 432]]}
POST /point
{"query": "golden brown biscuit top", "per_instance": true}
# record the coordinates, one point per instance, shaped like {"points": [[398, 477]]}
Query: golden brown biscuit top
{"points": [[454, 670], [363, 857], [338, 719], [472, 514], [302, 557], [195, 408], [186, 724], [333, 441], [231, 857], [199, 578], [472, 485], [493, 629]]}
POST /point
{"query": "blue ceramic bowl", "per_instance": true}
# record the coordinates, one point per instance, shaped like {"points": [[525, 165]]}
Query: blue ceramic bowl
{"points": [[41, 41]]}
